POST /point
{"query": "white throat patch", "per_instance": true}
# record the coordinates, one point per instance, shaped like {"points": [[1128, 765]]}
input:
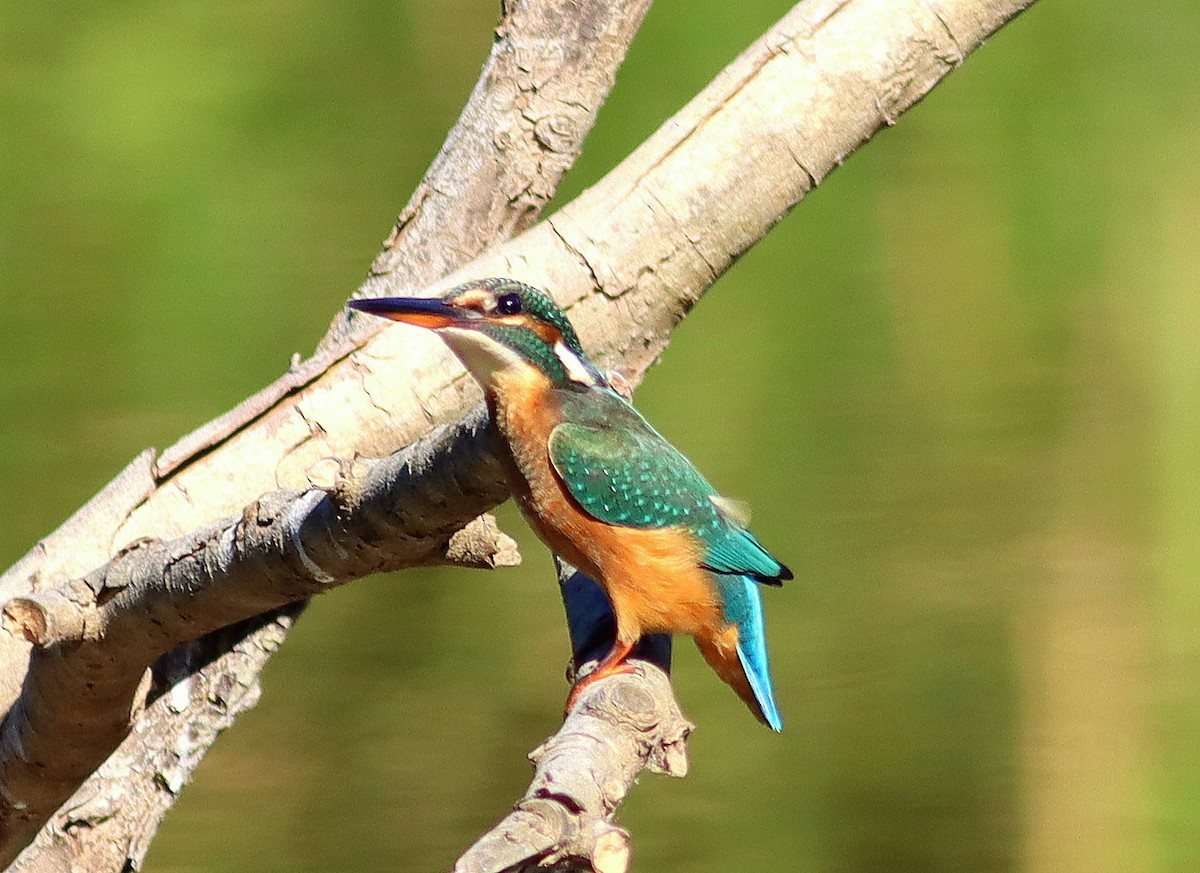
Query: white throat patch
{"points": [[483, 356], [577, 370]]}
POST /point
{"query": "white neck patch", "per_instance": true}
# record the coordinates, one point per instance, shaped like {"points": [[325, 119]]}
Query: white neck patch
{"points": [[483, 356], [577, 370]]}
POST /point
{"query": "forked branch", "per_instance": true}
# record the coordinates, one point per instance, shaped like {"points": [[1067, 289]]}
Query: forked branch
{"points": [[629, 258]]}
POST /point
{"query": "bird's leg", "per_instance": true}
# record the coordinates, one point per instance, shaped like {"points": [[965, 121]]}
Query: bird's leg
{"points": [[613, 664]]}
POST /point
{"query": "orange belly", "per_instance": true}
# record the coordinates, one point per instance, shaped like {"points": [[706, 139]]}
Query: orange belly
{"points": [[652, 577]]}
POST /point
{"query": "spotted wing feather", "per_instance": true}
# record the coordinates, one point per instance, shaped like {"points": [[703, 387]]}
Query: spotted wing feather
{"points": [[630, 478]]}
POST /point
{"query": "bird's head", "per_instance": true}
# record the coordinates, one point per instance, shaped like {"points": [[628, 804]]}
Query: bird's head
{"points": [[494, 325]]}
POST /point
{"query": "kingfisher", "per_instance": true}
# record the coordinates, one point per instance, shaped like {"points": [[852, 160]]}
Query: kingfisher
{"points": [[603, 489]]}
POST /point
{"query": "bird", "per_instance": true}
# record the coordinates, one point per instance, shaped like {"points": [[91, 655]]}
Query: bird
{"points": [[603, 489]]}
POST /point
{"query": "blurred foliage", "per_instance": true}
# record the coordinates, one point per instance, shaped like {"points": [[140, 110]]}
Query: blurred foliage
{"points": [[959, 385]]}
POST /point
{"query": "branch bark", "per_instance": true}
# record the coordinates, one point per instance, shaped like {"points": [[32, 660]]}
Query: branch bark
{"points": [[629, 258], [621, 727], [95, 638]]}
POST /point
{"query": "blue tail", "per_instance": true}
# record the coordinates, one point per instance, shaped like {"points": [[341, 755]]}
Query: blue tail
{"points": [[747, 613], [741, 565]]}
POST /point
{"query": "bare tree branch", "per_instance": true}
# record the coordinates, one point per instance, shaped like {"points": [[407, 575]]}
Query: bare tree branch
{"points": [[629, 258], [618, 728]]}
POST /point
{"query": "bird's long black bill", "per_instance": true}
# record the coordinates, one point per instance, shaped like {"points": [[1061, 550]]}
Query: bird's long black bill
{"points": [[426, 312]]}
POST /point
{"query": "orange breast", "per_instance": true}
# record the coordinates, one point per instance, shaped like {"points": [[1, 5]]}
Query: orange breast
{"points": [[652, 576]]}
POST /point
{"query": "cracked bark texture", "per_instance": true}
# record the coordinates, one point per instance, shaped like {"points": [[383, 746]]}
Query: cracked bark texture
{"points": [[628, 258]]}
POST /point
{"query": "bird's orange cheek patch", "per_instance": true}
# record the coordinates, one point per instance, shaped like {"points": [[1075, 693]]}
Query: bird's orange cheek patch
{"points": [[547, 333]]}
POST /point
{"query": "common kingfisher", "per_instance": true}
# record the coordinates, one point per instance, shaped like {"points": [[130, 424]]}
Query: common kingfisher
{"points": [[603, 489]]}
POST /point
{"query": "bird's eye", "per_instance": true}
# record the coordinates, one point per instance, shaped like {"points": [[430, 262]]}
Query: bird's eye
{"points": [[508, 304]]}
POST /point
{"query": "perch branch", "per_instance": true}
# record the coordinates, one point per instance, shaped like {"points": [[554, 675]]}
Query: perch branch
{"points": [[617, 729], [620, 727]]}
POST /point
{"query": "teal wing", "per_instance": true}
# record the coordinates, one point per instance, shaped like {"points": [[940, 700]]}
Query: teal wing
{"points": [[629, 477], [733, 550]]}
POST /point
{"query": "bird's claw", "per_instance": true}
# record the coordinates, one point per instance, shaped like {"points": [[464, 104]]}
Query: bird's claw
{"points": [[597, 675]]}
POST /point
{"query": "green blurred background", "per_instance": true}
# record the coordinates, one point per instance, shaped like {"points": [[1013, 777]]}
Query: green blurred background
{"points": [[959, 386]]}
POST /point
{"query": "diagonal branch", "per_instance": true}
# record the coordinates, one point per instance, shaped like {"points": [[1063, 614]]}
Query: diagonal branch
{"points": [[619, 728], [622, 726], [95, 638]]}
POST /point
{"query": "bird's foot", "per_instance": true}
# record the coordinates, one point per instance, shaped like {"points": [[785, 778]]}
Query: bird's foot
{"points": [[601, 672]]}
